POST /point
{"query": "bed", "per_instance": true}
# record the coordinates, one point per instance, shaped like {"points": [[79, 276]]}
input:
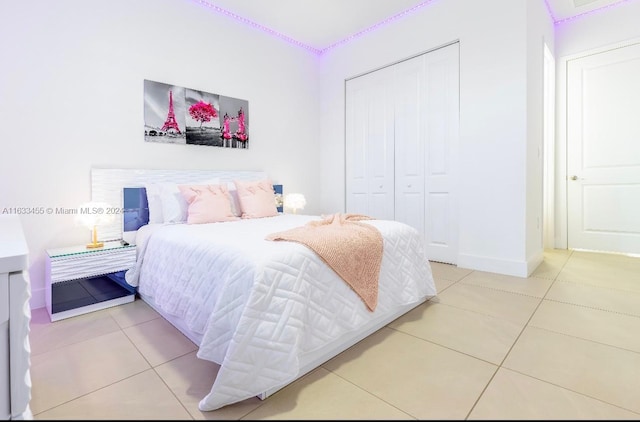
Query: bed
{"points": [[267, 312]]}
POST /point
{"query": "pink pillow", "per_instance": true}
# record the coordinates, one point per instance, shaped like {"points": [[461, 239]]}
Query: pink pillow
{"points": [[207, 203], [257, 198]]}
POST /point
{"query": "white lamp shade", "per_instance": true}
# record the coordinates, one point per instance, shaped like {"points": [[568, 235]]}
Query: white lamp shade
{"points": [[92, 214], [295, 201]]}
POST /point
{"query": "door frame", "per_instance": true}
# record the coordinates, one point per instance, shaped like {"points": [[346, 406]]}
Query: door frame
{"points": [[561, 208], [548, 148]]}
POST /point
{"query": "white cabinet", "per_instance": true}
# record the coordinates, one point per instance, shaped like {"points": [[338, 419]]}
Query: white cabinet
{"points": [[15, 315], [402, 125]]}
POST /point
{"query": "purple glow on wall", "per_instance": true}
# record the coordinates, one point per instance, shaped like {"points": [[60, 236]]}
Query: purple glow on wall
{"points": [[571, 18]]}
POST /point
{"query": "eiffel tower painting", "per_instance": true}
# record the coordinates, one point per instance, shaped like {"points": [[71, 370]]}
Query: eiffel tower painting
{"points": [[170, 125], [164, 113]]}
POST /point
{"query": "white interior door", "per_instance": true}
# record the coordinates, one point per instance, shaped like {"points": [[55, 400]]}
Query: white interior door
{"points": [[603, 151]]}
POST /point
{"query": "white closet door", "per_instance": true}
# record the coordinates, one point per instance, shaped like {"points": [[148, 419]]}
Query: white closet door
{"points": [[441, 117], [401, 145], [410, 140], [369, 149]]}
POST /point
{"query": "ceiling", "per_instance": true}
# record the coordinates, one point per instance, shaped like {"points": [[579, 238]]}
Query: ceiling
{"points": [[318, 24]]}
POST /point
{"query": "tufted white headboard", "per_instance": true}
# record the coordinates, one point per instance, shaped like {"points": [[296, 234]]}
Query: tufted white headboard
{"points": [[107, 184]]}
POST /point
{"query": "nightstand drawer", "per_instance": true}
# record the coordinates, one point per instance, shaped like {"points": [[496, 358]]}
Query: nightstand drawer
{"points": [[82, 266]]}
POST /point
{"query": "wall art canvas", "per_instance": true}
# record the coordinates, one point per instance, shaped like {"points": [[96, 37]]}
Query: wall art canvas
{"points": [[164, 113], [203, 122], [183, 115]]}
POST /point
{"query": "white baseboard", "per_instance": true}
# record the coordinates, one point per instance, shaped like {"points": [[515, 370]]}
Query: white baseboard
{"points": [[534, 261], [500, 266], [37, 299]]}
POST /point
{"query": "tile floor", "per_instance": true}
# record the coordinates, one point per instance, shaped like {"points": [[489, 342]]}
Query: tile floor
{"points": [[561, 344]]}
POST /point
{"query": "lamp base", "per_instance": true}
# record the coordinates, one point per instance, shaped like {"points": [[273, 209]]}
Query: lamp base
{"points": [[94, 237]]}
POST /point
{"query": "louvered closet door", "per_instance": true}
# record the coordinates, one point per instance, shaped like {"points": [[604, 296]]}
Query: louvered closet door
{"points": [[401, 146], [369, 151]]}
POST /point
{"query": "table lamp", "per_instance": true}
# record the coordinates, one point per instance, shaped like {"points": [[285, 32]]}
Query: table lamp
{"points": [[295, 201], [91, 215]]}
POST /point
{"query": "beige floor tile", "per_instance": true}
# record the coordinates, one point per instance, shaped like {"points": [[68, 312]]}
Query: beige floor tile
{"points": [[159, 341], [531, 286], [554, 260], [142, 397], [46, 335], [513, 396], [420, 378], [448, 271], [67, 373], [604, 257], [133, 313], [442, 284], [514, 307], [611, 271], [599, 371], [605, 327], [469, 332], [191, 378], [595, 297], [547, 270], [325, 396]]}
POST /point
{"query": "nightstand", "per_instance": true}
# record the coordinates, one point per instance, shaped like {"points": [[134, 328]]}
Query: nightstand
{"points": [[81, 280]]}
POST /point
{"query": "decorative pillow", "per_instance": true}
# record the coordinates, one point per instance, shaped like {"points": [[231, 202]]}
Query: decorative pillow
{"points": [[256, 198], [174, 206], [235, 202], [155, 204], [207, 203]]}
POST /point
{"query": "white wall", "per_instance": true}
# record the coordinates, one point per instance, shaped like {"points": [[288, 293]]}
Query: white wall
{"points": [[540, 30], [588, 34], [71, 98], [493, 118]]}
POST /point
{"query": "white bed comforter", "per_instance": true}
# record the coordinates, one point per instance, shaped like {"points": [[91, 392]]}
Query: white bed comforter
{"points": [[259, 306]]}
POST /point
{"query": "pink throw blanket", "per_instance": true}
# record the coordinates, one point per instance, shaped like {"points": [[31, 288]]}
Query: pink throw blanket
{"points": [[352, 249]]}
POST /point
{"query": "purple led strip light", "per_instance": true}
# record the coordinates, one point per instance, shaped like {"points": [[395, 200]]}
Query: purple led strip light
{"points": [[372, 27], [257, 26], [300, 44], [377, 25], [559, 21]]}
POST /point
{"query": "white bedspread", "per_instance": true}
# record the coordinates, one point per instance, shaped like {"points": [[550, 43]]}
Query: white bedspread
{"points": [[261, 305]]}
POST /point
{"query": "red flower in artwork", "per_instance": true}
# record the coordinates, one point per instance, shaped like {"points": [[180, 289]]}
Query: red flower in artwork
{"points": [[202, 112]]}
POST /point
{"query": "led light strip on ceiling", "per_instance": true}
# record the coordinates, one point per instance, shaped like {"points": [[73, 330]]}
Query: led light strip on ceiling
{"points": [[371, 28]]}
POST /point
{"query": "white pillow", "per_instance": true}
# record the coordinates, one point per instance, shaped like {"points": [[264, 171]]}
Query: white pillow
{"points": [[235, 202], [155, 203], [174, 206]]}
